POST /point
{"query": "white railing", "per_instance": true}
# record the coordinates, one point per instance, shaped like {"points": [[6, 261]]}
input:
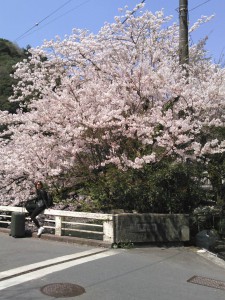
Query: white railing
{"points": [[99, 224]]}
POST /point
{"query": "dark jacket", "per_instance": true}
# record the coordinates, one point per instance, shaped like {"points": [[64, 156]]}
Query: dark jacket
{"points": [[42, 198]]}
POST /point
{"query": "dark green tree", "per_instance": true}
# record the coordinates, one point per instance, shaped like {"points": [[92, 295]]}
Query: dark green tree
{"points": [[10, 54]]}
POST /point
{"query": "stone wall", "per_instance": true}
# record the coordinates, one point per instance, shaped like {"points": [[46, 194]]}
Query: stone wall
{"points": [[140, 228]]}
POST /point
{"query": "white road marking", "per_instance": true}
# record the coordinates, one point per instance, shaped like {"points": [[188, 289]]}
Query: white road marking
{"points": [[55, 268], [41, 264]]}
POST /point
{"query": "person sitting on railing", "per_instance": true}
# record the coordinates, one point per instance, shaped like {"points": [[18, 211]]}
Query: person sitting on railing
{"points": [[37, 205]]}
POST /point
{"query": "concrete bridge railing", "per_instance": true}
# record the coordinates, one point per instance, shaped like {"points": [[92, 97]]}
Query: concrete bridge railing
{"points": [[97, 225], [112, 228]]}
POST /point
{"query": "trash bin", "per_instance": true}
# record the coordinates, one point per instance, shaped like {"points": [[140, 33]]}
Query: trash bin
{"points": [[206, 239], [18, 224]]}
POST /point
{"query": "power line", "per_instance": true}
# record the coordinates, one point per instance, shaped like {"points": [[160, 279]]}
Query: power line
{"points": [[60, 16], [199, 5], [54, 11], [177, 9], [133, 12], [38, 23]]}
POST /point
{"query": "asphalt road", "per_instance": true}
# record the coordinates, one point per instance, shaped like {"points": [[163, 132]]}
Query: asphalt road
{"points": [[40, 269]]}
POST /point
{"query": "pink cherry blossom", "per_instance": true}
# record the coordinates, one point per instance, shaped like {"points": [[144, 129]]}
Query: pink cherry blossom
{"points": [[117, 97]]}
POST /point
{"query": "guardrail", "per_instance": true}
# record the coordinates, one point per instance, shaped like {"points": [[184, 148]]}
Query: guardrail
{"points": [[82, 224]]}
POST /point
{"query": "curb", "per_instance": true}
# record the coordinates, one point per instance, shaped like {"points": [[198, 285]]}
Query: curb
{"points": [[211, 256], [65, 239]]}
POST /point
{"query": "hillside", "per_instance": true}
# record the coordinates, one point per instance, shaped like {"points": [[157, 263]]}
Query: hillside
{"points": [[10, 54]]}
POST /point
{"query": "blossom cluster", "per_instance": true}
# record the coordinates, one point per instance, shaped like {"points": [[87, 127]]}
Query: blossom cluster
{"points": [[117, 97]]}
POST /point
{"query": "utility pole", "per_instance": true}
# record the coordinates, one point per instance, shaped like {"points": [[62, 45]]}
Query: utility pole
{"points": [[183, 32]]}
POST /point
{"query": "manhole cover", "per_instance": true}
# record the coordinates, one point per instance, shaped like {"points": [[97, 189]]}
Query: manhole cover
{"points": [[63, 290], [216, 284]]}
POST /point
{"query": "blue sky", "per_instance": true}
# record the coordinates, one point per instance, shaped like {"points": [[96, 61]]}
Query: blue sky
{"points": [[18, 19]]}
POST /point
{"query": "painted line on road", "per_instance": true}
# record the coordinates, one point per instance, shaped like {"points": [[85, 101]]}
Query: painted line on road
{"points": [[31, 275], [35, 266]]}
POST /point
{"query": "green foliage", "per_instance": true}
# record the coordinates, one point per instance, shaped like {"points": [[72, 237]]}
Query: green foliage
{"points": [[167, 187], [10, 54], [216, 174], [214, 165], [205, 217]]}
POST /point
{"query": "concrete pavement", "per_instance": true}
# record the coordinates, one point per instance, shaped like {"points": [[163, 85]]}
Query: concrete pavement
{"points": [[142, 273]]}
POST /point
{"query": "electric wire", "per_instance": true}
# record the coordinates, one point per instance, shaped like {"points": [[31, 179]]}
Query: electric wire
{"points": [[37, 24], [54, 12], [134, 11], [196, 8], [28, 32], [199, 5], [177, 9]]}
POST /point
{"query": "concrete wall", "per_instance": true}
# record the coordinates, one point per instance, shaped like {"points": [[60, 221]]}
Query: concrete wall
{"points": [[142, 228], [122, 227]]}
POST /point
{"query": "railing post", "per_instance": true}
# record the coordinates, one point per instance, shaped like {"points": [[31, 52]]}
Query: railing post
{"points": [[58, 225], [108, 231]]}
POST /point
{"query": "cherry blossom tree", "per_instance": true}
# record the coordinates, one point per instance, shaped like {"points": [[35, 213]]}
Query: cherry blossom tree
{"points": [[117, 97]]}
